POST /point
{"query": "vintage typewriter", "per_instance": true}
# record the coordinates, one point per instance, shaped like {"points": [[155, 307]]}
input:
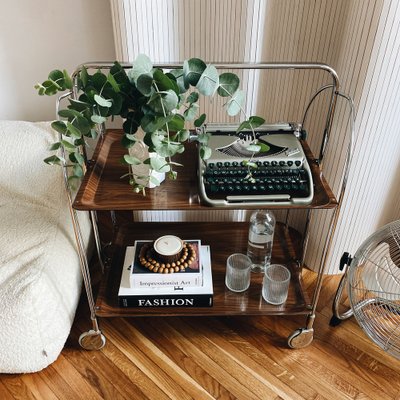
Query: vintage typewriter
{"points": [[282, 176]]}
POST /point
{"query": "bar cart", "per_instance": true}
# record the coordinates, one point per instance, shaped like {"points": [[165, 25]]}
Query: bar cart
{"points": [[102, 189]]}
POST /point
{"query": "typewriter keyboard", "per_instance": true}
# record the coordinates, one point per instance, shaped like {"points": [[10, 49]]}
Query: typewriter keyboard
{"points": [[230, 181]]}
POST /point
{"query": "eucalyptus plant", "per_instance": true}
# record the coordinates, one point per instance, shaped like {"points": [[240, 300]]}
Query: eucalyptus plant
{"points": [[160, 103]]}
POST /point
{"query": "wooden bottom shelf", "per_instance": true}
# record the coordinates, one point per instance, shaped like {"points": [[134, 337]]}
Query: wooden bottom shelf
{"points": [[224, 239]]}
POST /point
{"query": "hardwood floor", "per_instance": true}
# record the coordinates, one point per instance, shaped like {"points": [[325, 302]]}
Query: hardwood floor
{"points": [[219, 357]]}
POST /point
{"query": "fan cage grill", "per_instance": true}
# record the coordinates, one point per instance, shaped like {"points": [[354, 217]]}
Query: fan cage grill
{"points": [[374, 287]]}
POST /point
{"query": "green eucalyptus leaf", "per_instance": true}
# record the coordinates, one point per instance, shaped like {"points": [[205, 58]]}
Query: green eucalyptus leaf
{"points": [[200, 121], [192, 70], [55, 146], [98, 119], [142, 65], [151, 124], [251, 123], [180, 80], [163, 82], [176, 123], [131, 160], [144, 84], [159, 164], [101, 101], [57, 77], [243, 126], [69, 113], [78, 171], [53, 160], [263, 147], [235, 104], [208, 82], [172, 174], [67, 80], [50, 88], [98, 81], [77, 158], [82, 124], [191, 112], [256, 121], [84, 76], [59, 126], [164, 102], [205, 152], [181, 136], [79, 105], [203, 137], [68, 146], [192, 98], [117, 103], [253, 147], [41, 89], [228, 84], [114, 84], [73, 131], [157, 138]]}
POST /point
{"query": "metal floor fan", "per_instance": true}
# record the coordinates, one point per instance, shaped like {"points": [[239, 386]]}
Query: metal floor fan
{"points": [[372, 278]]}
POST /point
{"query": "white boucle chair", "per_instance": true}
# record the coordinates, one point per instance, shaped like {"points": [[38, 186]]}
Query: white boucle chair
{"points": [[40, 277]]}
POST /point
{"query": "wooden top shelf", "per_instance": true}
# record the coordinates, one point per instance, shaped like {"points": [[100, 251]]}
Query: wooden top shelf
{"points": [[103, 189], [286, 249]]}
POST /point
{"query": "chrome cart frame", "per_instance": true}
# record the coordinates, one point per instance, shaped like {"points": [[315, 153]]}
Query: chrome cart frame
{"points": [[94, 339]]}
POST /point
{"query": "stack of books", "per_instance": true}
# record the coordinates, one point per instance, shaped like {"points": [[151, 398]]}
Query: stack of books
{"points": [[141, 287]]}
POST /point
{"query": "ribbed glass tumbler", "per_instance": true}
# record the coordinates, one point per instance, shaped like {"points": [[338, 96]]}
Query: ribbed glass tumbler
{"points": [[237, 277], [276, 284]]}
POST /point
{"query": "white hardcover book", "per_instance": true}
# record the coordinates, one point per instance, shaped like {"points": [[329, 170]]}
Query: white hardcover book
{"points": [[190, 296], [141, 277]]}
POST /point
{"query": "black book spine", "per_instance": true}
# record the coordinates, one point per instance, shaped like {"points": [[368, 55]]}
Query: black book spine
{"points": [[187, 300]]}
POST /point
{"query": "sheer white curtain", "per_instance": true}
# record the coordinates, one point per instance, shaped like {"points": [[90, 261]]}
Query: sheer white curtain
{"points": [[358, 38]]}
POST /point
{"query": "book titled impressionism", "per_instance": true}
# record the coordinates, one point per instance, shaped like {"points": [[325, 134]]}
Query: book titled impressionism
{"points": [[167, 296], [187, 273]]}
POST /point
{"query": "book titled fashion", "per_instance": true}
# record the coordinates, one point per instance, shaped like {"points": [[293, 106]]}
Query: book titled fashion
{"points": [[169, 296], [189, 273]]}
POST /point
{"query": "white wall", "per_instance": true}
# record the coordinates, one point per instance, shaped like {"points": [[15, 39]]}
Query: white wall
{"points": [[39, 36]]}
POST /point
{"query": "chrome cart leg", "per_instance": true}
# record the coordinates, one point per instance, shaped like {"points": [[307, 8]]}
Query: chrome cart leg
{"points": [[93, 339], [337, 316], [302, 337], [93, 217]]}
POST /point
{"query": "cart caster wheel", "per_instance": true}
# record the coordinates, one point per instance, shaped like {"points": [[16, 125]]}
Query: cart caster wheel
{"points": [[335, 321], [301, 338], [92, 340]]}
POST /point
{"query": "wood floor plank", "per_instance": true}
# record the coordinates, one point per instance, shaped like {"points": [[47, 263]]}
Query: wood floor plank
{"points": [[38, 387], [113, 382], [151, 328], [4, 392], [219, 365], [16, 386], [147, 362], [278, 377], [337, 377]]}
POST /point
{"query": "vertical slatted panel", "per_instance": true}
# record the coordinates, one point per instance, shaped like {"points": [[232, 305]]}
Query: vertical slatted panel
{"points": [[357, 37]]}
